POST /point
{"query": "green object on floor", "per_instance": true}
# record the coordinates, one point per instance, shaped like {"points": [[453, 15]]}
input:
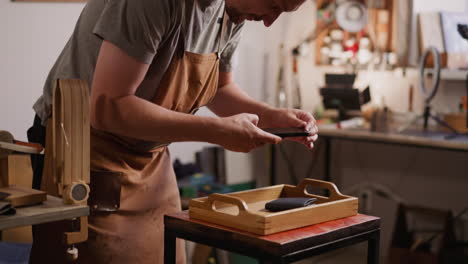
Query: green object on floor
{"points": [[240, 259], [242, 186], [188, 191]]}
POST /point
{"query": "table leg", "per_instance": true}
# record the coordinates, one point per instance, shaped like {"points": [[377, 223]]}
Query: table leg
{"points": [[169, 247], [327, 157], [272, 164], [373, 246], [327, 154]]}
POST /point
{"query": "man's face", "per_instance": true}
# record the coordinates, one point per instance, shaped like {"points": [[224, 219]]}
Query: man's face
{"points": [[259, 10]]}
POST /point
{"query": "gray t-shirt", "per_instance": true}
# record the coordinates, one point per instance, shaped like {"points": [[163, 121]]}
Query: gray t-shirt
{"points": [[147, 30]]}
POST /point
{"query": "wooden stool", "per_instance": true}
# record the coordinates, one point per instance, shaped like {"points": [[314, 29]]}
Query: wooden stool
{"points": [[283, 247]]}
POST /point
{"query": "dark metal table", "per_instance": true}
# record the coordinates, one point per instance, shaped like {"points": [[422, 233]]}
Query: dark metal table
{"points": [[283, 247]]}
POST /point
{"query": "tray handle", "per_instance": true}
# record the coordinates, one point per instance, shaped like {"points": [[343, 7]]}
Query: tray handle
{"points": [[212, 198], [331, 187]]}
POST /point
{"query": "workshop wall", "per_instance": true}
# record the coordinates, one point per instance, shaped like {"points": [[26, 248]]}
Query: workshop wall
{"points": [[32, 36]]}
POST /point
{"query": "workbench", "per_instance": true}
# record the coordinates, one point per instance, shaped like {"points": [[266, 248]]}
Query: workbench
{"points": [[52, 210], [428, 140], [420, 139], [283, 247]]}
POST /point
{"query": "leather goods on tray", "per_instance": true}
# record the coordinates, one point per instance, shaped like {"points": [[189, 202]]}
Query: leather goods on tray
{"points": [[246, 210], [282, 204]]}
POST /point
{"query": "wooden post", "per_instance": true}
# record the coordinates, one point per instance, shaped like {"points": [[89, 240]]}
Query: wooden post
{"points": [[71, 140], [71, 150]]}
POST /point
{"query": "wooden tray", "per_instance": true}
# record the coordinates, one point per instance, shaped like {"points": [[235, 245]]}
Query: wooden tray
{"points": [[246, 210]]}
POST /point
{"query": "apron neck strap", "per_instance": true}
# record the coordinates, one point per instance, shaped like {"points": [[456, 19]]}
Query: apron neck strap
{"points": [[222, 35], [183, 27]]}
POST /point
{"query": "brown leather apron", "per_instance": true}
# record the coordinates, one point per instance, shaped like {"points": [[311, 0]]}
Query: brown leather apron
{"points": [[148, 189]]}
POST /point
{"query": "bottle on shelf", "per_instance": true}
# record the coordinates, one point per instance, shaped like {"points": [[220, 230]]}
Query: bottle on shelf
{"points": [[296, 92], [280, 95]]}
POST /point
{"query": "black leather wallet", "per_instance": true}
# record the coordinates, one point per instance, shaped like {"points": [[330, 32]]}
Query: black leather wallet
{"points": [[6, 209], [286, 203]]}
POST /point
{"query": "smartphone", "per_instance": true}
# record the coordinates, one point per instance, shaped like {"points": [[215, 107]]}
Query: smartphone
{"points": [[288, 132]]}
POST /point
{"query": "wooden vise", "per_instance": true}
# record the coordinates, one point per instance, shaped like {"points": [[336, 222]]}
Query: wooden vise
{"points": [[68, 158]]}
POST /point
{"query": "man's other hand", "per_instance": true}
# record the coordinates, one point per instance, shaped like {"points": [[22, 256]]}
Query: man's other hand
{"points": [[283, 117], [240, 133]]}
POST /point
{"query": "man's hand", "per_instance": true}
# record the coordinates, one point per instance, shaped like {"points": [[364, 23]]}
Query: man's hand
{"points": [[240, 133], [230, 100], [282, 117]]}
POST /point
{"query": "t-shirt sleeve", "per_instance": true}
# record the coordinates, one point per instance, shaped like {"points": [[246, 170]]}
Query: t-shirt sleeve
{"points": [[228, 53], [135, 26]]}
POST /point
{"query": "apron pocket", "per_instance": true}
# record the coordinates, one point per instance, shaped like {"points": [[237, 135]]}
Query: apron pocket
{"points": [[105, 191]]}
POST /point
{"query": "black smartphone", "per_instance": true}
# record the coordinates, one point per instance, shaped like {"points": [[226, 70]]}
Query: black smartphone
{"points": [[288, 132]]}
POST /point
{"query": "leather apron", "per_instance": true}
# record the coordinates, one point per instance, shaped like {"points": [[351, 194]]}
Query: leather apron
{"points": [[148, 188]]}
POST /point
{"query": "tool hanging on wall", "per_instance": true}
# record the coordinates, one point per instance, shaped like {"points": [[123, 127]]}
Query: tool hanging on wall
{"points": [[70, 166], [325, 20], [351, 16], [280, 94], [296, 89]]}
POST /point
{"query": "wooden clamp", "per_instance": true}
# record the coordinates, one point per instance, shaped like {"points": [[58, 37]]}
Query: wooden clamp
{"points": [[71, 150], [71, 140]]}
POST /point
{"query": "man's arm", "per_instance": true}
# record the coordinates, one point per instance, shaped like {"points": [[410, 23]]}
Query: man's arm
{"points": [[115, 108], [231, 100]]}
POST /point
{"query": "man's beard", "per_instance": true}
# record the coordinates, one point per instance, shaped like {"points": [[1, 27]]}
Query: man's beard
{"points": [[234, 15]]}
